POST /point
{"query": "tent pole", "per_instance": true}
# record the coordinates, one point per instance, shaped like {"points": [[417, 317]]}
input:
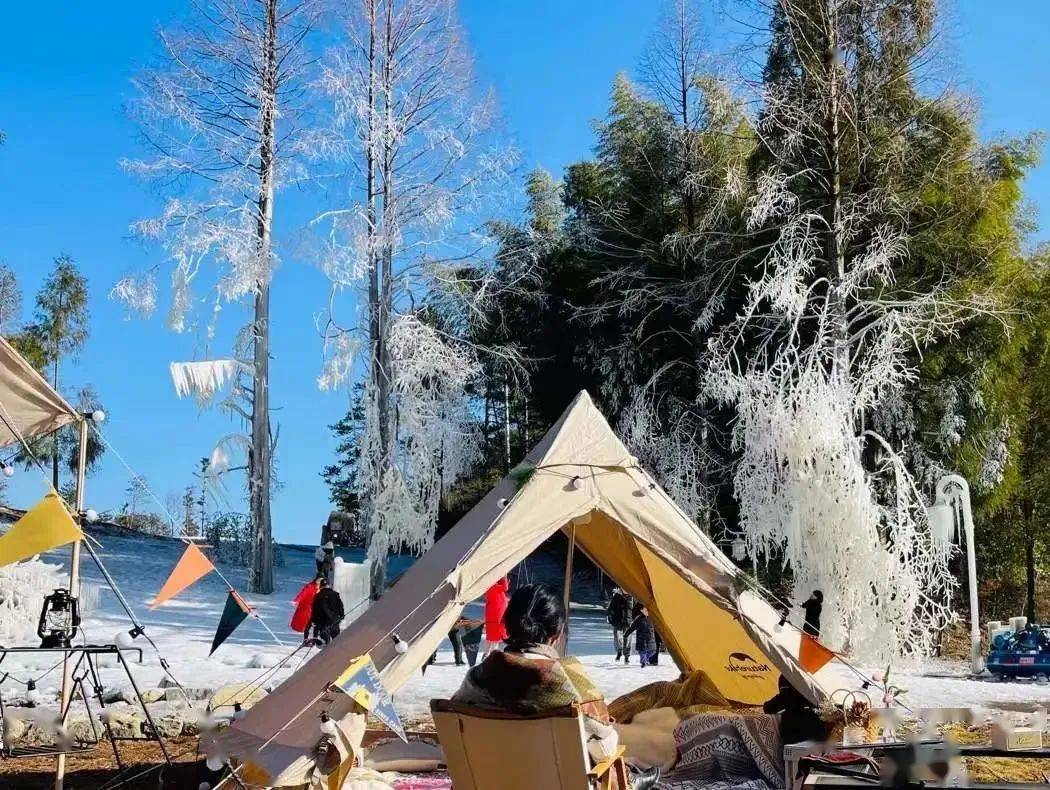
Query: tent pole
{"points": [[74, 591], [568, 583]]}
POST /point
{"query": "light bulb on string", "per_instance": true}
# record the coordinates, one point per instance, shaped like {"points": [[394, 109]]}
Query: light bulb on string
{"points": [[575, 483], [9, 471], [215, 762], [328, 727], [238, 711], [33, 697], [400, 645], [91, 516], [98, 416]]}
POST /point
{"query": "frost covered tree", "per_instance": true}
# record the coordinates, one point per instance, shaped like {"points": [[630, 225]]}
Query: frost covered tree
{"points": [[414, 134], [221, 122], [10, 301], [23, 586], [851, 146]]}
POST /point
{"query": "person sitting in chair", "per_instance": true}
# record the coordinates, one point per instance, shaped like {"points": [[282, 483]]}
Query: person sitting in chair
{"points": [[528, 676]]}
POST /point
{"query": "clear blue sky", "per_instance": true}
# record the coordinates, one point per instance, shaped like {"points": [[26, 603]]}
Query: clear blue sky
{"points": [[65, 74]]}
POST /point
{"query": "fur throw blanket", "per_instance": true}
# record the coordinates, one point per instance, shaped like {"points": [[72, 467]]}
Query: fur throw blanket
{"points": [[531, 680]]}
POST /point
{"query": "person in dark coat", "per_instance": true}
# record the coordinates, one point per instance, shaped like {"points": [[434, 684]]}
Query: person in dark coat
{"points": [[644, 635], [619, 616], [326, 613], [813, 607], [327, 567], [799, 719]]}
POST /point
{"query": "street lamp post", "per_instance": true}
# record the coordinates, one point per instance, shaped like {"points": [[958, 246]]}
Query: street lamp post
{"points": [[953, 500]]}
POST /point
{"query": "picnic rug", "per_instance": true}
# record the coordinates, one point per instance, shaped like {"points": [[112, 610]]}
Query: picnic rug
{"points": [[720, 751]]}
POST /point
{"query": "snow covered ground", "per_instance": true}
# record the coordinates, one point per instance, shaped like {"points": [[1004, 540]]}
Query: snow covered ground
{"points": [[183, 630]]}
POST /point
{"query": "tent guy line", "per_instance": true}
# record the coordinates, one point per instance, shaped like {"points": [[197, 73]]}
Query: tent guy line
{"points": [[254, 612]]}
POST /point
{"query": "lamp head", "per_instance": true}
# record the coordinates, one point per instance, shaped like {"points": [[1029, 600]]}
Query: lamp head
{"points": [[941, 516]]}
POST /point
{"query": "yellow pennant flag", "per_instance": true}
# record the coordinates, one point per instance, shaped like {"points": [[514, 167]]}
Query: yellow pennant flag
{"points": [[45, 526]]}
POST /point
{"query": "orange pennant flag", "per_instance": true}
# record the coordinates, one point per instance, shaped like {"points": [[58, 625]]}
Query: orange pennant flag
{"points": [[192, 565], [812, 655]]}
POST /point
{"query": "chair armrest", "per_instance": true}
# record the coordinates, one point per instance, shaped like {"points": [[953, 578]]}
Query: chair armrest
{"points": [[600, 769]]}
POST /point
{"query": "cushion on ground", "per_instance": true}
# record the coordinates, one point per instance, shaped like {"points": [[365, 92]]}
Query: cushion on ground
{"points": [[411, 757], [649, 738]]}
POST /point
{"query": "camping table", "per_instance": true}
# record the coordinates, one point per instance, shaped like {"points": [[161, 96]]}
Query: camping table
{"points": [[795, 752]]}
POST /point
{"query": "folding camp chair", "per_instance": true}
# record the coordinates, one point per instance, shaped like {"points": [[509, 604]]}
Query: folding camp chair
{"points": [[493, 750]]}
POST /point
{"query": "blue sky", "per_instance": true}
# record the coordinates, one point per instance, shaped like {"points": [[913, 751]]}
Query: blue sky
{"points": [[65, 76]]}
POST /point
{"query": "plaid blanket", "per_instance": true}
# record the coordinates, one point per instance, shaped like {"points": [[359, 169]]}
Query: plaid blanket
{"points": [[720, 751]]}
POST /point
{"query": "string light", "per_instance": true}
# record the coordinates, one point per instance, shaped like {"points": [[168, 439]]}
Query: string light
{"points": [[215, 762], [9, 471], [98, 416], [328, 727], [90, 516], [400, 645], [575, 483], [33, 697]]}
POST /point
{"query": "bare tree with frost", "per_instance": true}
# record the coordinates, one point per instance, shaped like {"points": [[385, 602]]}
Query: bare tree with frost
{"points": [[824, 338], [221, 123], [412, 133]]}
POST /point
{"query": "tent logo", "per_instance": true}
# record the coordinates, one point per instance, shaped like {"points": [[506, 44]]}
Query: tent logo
{"points": [[746, 665]]}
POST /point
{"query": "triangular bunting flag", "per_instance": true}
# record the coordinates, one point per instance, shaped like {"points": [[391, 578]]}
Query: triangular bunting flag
{"points": [[192, 565], [233, 614], [812, 655], [362, 683], [45, 526]]}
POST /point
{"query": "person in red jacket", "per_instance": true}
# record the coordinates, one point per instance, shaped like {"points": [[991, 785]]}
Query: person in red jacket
{"points": [[304, 602], [495, 607]]}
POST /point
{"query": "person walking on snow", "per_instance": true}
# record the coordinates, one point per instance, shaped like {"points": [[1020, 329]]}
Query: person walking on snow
{"points": [[644, 635], [619, 616], [813, 607], [495, 607], [319, 559], [326, 613], [304, 602], [327, 568]]}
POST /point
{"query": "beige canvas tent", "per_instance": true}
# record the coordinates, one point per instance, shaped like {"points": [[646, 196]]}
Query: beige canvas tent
{"points": [[28, 405], [582, 480]]}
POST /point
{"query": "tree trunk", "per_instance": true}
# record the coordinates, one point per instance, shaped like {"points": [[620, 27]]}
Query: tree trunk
{"points": [[57, 435], [832, 208], [381, 356], [1029, 568], [685, 80], [260, 460], [506, 424]]}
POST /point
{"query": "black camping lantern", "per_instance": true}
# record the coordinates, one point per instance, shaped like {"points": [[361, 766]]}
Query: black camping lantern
{"points": [[59, 618]]}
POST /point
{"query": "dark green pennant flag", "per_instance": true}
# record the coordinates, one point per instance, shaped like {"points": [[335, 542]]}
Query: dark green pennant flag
{"points": [[233, 614]]}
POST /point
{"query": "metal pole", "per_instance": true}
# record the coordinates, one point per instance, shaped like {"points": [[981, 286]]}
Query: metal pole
{"points": [[74, 589], [964, 507]]}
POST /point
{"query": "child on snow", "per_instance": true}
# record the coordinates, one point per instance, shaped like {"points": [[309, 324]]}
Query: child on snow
{"points": [[644, 636]]}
